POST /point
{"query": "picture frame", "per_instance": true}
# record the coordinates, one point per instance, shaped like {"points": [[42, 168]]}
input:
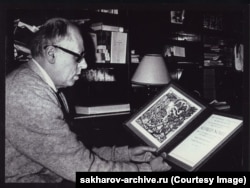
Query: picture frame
{"points": [[165, 116], [177, 16]]}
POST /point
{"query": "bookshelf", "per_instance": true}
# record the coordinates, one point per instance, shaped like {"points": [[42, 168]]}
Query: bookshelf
{"points": [[201, 41], [108, 66], [223, 33]]}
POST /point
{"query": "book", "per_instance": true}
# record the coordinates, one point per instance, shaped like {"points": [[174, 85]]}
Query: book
{"points": [[182, 126], [102, 109], [118, 47], [101, 26]]}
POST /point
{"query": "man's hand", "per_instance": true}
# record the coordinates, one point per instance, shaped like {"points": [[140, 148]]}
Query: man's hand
{"points": [[158, 165], [141, 153]]}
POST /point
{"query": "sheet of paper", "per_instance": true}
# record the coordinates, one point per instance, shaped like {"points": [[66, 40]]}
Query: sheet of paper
{"points": [[207, 137]]}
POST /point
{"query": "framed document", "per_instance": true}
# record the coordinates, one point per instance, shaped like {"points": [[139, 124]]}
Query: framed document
{"points": [[204, 141], [165, 116]]}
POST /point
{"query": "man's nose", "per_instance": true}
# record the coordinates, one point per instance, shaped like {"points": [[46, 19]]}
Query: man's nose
{"points": [[81, 65]]}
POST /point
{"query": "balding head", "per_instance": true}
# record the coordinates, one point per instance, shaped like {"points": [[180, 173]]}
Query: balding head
{"points": [[53, 31]]}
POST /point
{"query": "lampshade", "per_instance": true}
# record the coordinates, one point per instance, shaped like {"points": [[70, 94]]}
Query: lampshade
{"points": [[152, 70]]}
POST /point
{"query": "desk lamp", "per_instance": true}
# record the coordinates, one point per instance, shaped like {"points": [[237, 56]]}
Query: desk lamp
{"points": [[151, 72]]}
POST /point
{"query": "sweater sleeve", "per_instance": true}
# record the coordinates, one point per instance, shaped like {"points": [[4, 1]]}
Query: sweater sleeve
{"points": [[113, 153], [36, 128]]}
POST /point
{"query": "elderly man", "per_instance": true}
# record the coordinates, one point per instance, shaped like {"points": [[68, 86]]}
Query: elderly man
{"points": [[39, 146]]}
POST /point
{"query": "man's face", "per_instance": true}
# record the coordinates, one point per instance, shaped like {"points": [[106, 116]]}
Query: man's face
{"points": [[67, 65]]}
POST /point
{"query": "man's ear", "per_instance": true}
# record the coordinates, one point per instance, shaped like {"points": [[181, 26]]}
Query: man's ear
{"points": [[50, 54]]}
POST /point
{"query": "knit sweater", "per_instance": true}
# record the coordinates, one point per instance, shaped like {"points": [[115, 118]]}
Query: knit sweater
{"points": [[39, 146]]}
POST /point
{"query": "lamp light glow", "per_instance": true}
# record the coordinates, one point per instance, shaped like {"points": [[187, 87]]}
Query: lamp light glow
{"points": [[152, 70]]}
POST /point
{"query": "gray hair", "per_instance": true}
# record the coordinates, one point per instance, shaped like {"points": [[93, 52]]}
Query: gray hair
{"points": [[51, 32]]}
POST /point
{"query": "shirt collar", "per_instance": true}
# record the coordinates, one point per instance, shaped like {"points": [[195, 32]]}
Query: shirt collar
{"points": [[45, 75]]}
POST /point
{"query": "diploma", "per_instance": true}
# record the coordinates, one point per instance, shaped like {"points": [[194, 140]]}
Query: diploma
{"points": [[204, 140]]}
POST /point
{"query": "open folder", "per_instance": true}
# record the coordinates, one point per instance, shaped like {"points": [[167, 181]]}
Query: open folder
{"points": [[181, 125]]}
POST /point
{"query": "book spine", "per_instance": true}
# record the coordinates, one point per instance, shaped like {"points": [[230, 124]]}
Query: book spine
{"points": [[103, 46], [81, 110], [102, 109], [107, 28]]}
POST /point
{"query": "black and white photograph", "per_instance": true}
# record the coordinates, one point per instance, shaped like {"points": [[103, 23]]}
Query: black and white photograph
{"points": [[115, 87]]}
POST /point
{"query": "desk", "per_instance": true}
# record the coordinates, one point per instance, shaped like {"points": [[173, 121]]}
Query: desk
{"points": [[104, 130]]}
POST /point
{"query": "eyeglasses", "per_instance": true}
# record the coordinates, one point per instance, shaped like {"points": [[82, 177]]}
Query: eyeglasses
{"points": [[79, 56]]}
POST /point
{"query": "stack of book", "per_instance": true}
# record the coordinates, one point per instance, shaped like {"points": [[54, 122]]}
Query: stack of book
{"points": [[213, 22], [135, 58], [104, 27], [217, 52], [184, 36], [108, 11], [212, 59], [102, 109], [111, 43]]}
